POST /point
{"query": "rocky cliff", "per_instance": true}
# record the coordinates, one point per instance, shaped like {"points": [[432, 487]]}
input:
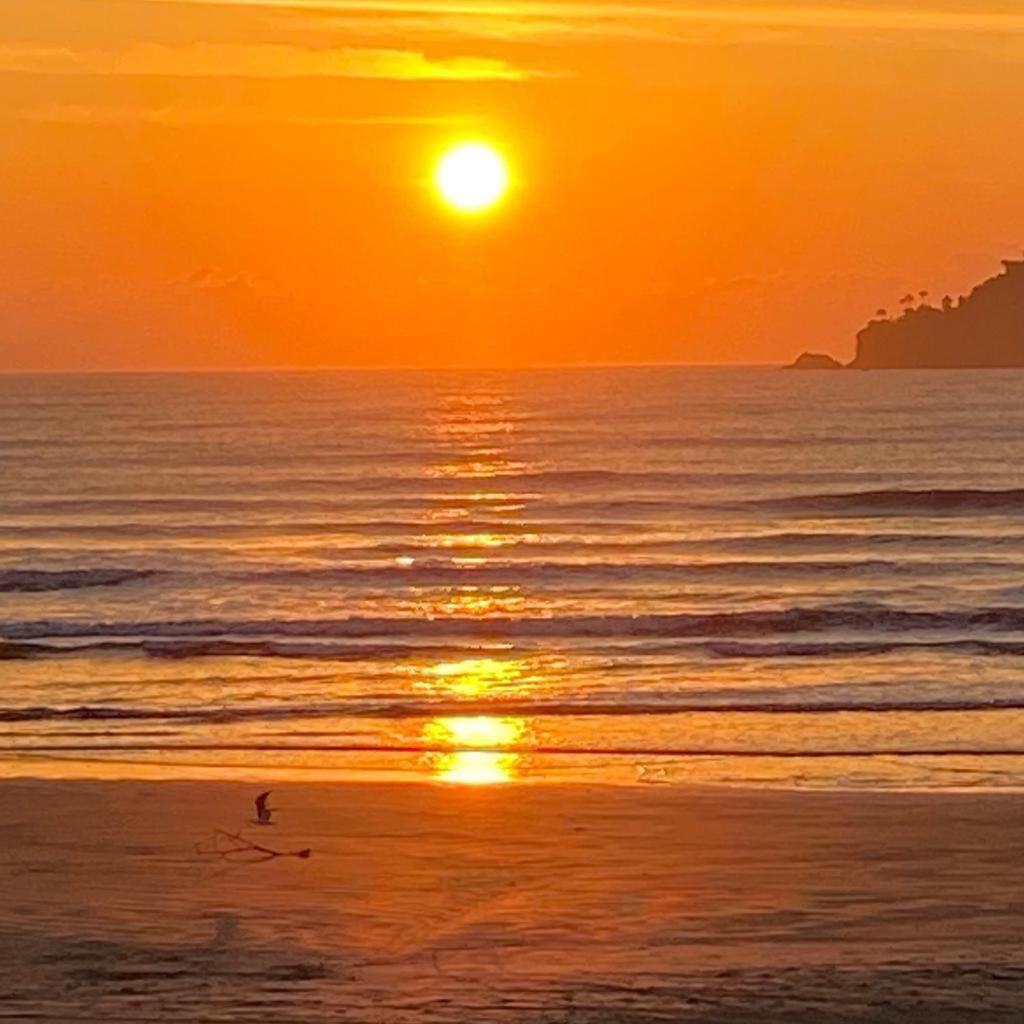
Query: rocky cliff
{"points": [[985, 329]]}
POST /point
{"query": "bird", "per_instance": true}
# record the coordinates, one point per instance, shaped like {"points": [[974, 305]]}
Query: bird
{"points": [[263, 812]]}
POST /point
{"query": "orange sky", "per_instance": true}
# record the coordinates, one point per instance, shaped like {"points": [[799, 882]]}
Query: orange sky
{"points": [[246, 182]]}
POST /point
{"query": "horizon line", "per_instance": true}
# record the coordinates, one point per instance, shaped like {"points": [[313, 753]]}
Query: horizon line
{"points": [[340, 368]]}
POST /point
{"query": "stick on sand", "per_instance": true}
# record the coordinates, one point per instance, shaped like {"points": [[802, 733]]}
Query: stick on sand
{"points": [[235, 846]]}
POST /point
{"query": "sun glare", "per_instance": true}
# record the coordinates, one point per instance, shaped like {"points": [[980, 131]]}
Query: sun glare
{"points": [[486, 765], [471, 177]]}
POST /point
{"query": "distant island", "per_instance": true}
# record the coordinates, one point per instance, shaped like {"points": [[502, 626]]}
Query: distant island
{"points": [[816, 361], [982, 330]]}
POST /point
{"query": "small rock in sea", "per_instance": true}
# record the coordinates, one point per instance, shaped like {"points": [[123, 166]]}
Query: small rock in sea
{"points": [[815, 361]]}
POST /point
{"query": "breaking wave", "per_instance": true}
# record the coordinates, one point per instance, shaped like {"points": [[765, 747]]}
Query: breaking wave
{"points": [[863, 617], [432, 571], [399, 707], [40, 580], [898, 501], [354, 650], [428, 572]]}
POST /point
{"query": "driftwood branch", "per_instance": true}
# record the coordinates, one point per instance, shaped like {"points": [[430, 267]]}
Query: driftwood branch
{"points": [[234, 847]]}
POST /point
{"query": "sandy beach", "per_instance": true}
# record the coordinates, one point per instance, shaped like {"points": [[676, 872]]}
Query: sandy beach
{"points": [[536, 903]]}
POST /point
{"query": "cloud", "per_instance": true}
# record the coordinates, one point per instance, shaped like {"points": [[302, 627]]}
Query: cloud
{"points": [[726, 22], [495, 27], [741, 282], [214, 279], [567, 16], [263, 60], [52, 59], [84, 114]]}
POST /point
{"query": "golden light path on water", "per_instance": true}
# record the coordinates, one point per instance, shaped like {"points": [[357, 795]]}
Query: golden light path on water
{"points": [[476, 767], [472, 430], [472, 679]]}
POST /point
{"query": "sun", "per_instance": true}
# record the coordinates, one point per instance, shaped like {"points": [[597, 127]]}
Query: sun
{"points": [[471, 177]]}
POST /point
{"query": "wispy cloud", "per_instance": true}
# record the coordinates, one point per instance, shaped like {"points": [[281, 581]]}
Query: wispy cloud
{"points": [[85, 114], [267, 60], [51, 59], [865, 16]]}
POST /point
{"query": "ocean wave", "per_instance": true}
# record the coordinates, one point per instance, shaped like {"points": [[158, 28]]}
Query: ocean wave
{"points": [[437, 572], [898, 501], [213, 528], [178, 649], [325, 650], [632, 751], [863, 617], [812, 540], [429, 570], [223, 504], [860, 648], [401, 708], [40, 580]]}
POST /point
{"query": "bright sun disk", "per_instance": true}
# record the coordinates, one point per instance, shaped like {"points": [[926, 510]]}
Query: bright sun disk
{"points": [[471, 176]]}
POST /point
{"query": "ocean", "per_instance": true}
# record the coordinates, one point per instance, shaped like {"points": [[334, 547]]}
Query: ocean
{"points": [[633, 575]]}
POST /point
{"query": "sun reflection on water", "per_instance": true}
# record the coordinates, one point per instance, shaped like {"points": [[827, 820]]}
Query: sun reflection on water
{"points": [[482, 468], [473, 540], [478, 754], [475, 767], [487, 765], [472, 432], [465, 601], [473, 677]]}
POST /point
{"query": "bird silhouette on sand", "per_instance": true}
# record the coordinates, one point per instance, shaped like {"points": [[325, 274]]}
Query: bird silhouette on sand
{"points": [[263, 812]]}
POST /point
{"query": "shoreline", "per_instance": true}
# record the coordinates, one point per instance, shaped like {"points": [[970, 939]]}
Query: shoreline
{"points": [[242, 776], [799, 772]]}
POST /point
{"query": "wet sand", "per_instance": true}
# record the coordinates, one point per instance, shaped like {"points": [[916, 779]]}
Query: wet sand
{"points": [[544, 903]]}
